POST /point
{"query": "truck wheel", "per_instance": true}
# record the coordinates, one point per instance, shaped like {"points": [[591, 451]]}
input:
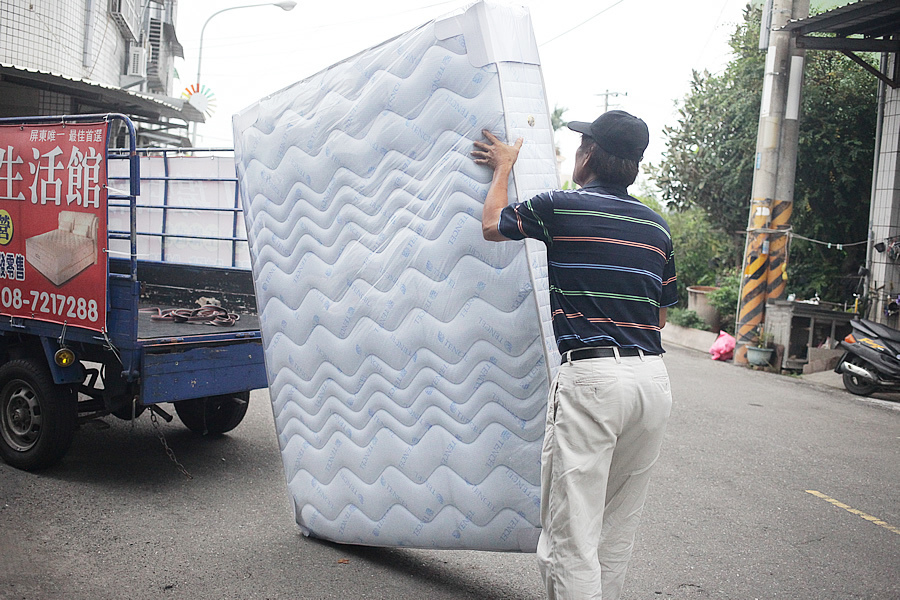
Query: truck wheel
{"points": [[213, 415], [37, 417], [858, 385]]}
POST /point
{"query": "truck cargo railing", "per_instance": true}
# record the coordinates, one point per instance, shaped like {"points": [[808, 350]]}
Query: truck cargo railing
{"points": [[186, 205]]}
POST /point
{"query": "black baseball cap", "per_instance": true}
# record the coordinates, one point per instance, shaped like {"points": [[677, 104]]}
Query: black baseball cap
{"points": [[619, 133]]}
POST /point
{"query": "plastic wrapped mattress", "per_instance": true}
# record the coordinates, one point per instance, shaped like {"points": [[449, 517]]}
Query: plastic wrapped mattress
{"points": [[408, 359]]}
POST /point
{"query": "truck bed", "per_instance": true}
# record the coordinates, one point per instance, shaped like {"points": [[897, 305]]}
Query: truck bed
{"points": [[149, 328]]}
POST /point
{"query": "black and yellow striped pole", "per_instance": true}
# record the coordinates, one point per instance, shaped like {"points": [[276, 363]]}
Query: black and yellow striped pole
{"points": [[779, 245], [754, 282]]}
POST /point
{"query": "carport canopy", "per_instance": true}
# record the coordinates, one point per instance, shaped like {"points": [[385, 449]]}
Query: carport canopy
{"points": [[864, 26]]}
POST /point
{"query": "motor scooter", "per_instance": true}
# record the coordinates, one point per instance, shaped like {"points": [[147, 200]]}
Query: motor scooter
{"points": [[871, 361]]}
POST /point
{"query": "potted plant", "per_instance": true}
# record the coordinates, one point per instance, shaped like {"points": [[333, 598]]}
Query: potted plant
{"points": [[760, 354]]}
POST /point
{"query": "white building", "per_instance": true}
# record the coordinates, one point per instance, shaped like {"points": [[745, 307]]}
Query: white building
{"points": [[94, 56]]}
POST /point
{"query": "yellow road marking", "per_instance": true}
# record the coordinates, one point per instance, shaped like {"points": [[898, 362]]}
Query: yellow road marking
{"points": [[854, 511]]}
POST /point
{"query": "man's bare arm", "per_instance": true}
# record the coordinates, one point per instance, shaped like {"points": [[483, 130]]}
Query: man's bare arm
{"points": [[501, 158]]}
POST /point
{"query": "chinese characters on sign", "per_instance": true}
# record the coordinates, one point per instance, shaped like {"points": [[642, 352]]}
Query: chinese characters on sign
{"points": [[53, 223]]}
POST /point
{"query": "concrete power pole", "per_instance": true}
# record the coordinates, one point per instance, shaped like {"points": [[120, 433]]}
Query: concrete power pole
{"points": [[606, 96], [782, 207], [765, 252]]}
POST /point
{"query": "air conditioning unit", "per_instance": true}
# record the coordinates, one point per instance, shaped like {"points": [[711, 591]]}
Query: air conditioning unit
{"points": [[137, 61], [126, 13]]}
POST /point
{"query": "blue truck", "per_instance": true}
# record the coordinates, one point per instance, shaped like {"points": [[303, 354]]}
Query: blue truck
{"points": [[179, 327]]}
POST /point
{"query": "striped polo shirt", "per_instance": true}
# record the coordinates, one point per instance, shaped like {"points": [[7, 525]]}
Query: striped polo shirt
{"points": [[610, 260]]}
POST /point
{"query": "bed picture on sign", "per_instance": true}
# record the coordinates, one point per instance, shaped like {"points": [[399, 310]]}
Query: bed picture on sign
{"points": [[62, 253]]}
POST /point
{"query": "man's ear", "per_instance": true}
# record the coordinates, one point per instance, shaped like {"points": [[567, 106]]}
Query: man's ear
{"points": [[589, 151]]}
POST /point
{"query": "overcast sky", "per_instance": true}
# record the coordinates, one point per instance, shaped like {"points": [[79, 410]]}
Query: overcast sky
{"points": [[643, 50]]}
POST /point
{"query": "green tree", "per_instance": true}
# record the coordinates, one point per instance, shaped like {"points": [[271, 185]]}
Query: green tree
{"points": [[556, 118], [709, 157], [699, 248], [836, 153]]}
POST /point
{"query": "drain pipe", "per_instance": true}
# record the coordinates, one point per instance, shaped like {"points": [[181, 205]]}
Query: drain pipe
{"points": [[88, 57]]}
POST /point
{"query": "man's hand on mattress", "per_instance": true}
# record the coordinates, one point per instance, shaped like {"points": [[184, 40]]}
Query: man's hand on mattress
{"points": [[495, 153]]}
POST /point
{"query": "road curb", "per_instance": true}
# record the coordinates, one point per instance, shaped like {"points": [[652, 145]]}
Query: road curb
{"points": [[696, 339]]}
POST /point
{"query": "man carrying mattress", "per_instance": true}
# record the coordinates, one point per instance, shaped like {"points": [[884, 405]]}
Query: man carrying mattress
{"points": [[612, 276]]}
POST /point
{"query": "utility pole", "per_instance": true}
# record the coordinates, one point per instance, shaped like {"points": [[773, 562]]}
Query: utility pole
{"points": [[765, 252], [782, 207], [606, 96]]}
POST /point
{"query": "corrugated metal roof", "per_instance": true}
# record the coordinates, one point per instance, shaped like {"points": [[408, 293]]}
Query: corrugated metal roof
{"points": [[118, 99], [868, 18]]}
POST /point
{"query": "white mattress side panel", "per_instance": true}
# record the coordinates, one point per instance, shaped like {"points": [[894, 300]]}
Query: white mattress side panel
{"points": [[527, 115]]}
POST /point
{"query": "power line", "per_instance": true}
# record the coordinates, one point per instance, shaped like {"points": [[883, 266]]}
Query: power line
{"points": [[828, 244], [582, 23], [713, 32], [791, 234]]}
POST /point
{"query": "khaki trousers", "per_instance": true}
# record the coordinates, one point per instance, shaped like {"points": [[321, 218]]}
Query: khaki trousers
{"points": [[606, 418]]}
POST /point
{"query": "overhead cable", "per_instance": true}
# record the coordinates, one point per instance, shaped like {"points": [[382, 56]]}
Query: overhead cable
{"points": [[829, 244], [582, 23]]}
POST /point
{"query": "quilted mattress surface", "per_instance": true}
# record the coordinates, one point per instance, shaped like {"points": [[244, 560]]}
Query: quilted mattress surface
{"points": [[60, 255], [408, 359]]}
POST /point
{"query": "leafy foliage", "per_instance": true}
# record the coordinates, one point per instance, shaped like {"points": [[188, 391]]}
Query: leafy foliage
{"points": [[708, 163], [685, 318], [699, 248], [556, 118], [831, 201], [725, 299]]}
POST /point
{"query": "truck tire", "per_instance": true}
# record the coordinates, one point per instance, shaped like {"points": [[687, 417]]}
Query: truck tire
{"points": [[37, 417], [213, 415]]}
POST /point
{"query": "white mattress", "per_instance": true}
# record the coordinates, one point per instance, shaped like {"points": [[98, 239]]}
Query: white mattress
{"points": [[408, 359], [60, 255]]}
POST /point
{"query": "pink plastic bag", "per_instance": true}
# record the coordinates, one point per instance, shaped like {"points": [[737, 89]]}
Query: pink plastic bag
{"points": [[723, 347]]}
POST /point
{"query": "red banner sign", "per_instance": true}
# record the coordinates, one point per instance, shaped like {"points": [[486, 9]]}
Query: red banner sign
{"points": [[53, 223]]}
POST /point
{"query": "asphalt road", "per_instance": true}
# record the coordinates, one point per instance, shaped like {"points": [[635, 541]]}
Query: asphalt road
{"points": [[732, 513]]}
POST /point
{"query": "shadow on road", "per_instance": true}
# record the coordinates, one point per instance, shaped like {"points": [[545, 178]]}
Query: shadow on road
{"points": [[445, 571], [113, 453]]}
